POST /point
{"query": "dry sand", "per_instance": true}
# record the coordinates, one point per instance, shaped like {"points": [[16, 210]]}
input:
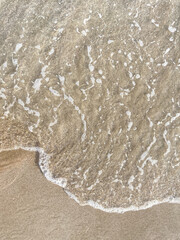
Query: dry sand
{"points": [[33, 208]]}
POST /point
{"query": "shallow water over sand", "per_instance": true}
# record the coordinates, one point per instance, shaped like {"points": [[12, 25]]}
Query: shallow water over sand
{"points": [[94, 88]]}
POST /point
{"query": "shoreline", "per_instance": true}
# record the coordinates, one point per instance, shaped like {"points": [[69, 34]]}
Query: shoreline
{"points": [[33, 208], [43, 165]]}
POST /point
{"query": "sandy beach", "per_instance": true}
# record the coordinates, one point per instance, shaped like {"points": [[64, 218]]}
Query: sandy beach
{"points": [[93, 87], [33, 208]]}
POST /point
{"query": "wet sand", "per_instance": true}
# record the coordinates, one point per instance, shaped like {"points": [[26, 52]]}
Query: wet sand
{"points": [[33, 208]]}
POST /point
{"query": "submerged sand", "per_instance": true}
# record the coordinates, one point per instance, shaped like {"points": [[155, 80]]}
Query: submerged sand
{"points": [[33, 208]]}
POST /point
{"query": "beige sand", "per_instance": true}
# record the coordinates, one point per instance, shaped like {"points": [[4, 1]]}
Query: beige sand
{"points": [[33, 208]]}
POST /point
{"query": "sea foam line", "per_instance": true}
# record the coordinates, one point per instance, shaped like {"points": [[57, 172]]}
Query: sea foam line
{"points": [[62, 182]]}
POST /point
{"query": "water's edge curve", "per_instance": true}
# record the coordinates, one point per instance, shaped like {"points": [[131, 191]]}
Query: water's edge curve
{"points": [[44, 166]]}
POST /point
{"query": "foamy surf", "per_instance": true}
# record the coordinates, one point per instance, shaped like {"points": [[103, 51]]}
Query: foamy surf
{"points": [[62, 182]]}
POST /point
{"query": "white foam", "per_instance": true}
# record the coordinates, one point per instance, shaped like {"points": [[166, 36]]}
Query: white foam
{"points": [[86, 20], [99, 14], [165, 63], [32, 112], [167, 50], [52, 124], [154, 22], [171, 39], [172, 29], [93, 185], [130, 181], [60, 30], [15, 61], [130, 74], [28, 100], [137, 76], [38, 47], [100, 72], [150, 122], [99, 81], [91, 67], [167, 142], [18, 47], [51, 51], [43, 71], [37, 84], [152, 161], [62, 79], [121, 210], [137, 25], [84, 33], [129, 56], [128, 113], [2, 95], [4, 65], [54, 92], [110, 41], [6, 113], [130, 124], [145, 153], [141, 43]]}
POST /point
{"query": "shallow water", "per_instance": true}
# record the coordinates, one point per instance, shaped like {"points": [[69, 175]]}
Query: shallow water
{"points": [[94, 88]]}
